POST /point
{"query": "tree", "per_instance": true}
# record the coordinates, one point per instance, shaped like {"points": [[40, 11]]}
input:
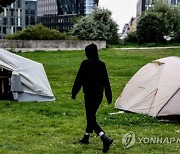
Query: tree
{"points": [[150, 28], [131, 38], [177, 36], [5, 3], [157, 23], [170, 15], [97, 26]]}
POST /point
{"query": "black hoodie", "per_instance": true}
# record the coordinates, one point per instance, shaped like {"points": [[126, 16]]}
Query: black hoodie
{"points": [[92, 75]]}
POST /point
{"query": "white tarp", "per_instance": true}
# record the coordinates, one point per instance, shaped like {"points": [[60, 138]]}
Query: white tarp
{"points": [[152, 88], [35, 84]]}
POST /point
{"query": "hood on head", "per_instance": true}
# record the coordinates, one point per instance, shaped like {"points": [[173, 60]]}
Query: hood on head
{"points": [[91, 51]]}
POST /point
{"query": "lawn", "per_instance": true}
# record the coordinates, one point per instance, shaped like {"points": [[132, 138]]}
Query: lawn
{"points": [[56, 127]]}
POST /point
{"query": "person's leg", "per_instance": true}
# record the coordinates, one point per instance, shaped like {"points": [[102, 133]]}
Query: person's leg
{"points": [[85, 139], [89, 121], [89, 118], [91, 106], [106, 140], [96, 127], [91, 124]]}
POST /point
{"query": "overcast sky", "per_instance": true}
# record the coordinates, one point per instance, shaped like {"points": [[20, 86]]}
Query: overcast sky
{"points": [[122, 10]]}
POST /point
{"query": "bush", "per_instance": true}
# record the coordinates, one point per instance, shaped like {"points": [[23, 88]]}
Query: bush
{"points": [[158, 23], [38, 32], [150, 28], [170, 15], [177, 36], [131, 38], [97, 26]]}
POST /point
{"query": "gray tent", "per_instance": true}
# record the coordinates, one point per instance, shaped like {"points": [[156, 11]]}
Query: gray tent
{"points": [[28, 80]]}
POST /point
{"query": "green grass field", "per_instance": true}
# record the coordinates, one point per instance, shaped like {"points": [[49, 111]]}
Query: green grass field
{"points": [[56, 127]]}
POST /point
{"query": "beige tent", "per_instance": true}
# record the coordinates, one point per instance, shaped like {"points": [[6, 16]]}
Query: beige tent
{"points": [[154, 89]]}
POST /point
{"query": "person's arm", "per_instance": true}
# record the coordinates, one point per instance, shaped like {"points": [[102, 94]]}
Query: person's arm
{"points": [[108, 92], [78, 82]]}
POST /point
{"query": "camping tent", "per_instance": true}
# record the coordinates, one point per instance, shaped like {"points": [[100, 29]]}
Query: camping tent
{"points": [[154, 89], [27, 78]]}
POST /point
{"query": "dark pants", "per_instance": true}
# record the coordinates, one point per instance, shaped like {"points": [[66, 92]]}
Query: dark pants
{"points": [[92, 103]]}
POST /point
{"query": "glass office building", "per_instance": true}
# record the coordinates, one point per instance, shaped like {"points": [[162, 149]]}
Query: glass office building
{"points": [[59, 14], [89, 5], [64, 7], [13, 18], [46, 7], [17, 16], [67, 7], [175, 2], [31, 13]]}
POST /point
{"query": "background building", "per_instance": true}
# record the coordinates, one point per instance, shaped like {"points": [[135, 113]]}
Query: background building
{"points": [[143, 5], [129, 27], [13, 18], [17, 16], [60, 14], [140, 7], [45, 7], [31, 12]]}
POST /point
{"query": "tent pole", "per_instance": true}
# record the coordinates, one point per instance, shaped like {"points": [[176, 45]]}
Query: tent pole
{"points": [[153, 100], [168, 101]]}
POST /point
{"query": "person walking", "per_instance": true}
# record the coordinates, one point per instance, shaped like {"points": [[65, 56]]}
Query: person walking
{"points": [[93, 77]]}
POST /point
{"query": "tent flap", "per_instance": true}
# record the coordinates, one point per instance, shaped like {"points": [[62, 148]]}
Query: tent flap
{"points": [[16, 85], [25, 97]]}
